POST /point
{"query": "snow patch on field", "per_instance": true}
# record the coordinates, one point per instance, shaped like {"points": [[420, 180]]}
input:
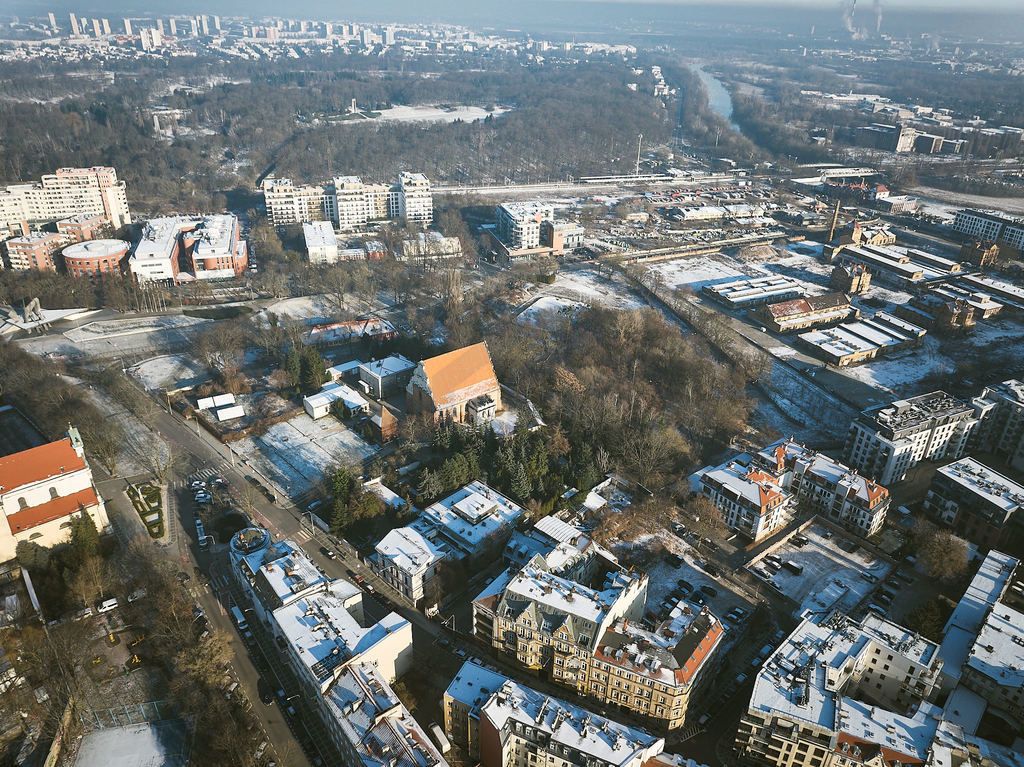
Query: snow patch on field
{"points": [[297, 453], [171, 371], [695, 273], [431, 114], [548, 306], [592, 288]]}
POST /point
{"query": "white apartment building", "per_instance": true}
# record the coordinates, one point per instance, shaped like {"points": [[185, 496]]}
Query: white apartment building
{"points": [[831, 488], [415, 199], [468, 524], [751, 500], [349, 202], [42, 489], [66, 192], [992, 226], [289, 204], [836, 684], [885, 442], [519, 223], [1001, 431], [321, 242]]}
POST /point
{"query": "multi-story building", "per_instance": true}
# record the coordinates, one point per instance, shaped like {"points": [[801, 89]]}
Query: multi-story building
{"points": [[82, 226], [211, 246], [35, 251], [504, 724], [415, 199], [657, 673], [344, 661], [550, 622], [979, 503], [469, 525], [95, 257], [290, 204], [751, 500], [321, 242], [42, 489], [827, 486], [885, 442], [459, 386], [349, 202], [992, 226], [830, 692], [64, 193], [1000, 409], [519, 223]]}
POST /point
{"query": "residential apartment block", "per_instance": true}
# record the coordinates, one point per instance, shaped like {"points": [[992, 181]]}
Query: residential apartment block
{"points": [[830, 488], [519, 223], [502, 723], [468, 525], [885, 442], [321, 242], [979, 503], [992, 226], [42, 489], [348, 202], [1001, 431], [344, 661], [66, 192], [751, 500], [36, 251]]}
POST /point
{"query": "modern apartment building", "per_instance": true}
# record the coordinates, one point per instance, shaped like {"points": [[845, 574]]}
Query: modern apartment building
{"points": [[979, 503], [519, 223], [472, 523], [42, 489], [64, 193], [751, 500], [348, 202], [827, 486], [35, 251], [992, 226], [885, 442], [830, 692], [502, 723], [1000, 409]]}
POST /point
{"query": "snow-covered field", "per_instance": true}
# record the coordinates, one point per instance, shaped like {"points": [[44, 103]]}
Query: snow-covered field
{"points": [[319, 308], [297, 453], [106, 329], [549, 306], [431, 114], [695, 273], [905, 369], [118, 338], [591, 288], [170, 371]]}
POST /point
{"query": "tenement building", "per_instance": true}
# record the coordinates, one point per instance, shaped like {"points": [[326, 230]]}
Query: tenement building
{"points": [[1001, 431], [501, 723], [827, 486], [885, 442], [751, 500]]}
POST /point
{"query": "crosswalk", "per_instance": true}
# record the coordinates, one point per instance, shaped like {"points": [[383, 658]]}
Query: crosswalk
{"points": [[202, 474]]}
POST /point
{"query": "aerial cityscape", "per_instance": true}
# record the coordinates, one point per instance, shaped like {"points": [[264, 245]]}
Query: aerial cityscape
{"points": [[578, 384]]}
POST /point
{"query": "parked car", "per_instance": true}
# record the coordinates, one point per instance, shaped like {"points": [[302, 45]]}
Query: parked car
{"points": [[710, 591], [675, 560], [198, 485], [712, 570], [684, 586], [328, 553]]}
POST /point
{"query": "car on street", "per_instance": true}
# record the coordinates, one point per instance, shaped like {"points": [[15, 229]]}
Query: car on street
{"points": [[675, 560], [460, 652], [709, 591], [198, 485], [712, 570], [328, 553], [684, 585], [265, 691]]}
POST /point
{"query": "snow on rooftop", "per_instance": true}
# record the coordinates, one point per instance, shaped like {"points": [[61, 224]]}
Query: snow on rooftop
{"points": [[472, 515], [292, 574], [388, 366], [474, 684], [410, 549], [986, 483], [999, 652], [599, 739]]}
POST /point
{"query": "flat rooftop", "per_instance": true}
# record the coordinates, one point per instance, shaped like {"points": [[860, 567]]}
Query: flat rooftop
{"points": [[988, 484]]}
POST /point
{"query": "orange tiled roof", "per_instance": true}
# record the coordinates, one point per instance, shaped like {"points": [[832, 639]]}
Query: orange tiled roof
{"points": [[868, 750], [64, 506], [38, 463], [460, 375]]}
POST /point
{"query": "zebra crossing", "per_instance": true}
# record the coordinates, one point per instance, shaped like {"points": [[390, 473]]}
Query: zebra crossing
{"points": [[202, 475]]}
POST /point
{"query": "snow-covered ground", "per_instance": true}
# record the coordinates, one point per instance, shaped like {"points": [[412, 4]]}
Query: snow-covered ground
{"points": [[893, 373], [119, 338], [139, 440], [549, 306], [170, 371], [695, 273], [297, 453], [431, 114], [319, 308], [590, 287]]}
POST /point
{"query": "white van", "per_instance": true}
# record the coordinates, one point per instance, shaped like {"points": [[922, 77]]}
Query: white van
{"points": [[240, 621], [106, 606]]}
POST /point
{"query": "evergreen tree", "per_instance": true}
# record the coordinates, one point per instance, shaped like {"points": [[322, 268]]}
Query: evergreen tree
{"points": [[520, 484], [312, 370], [340, 517], [430, 485], [293, 368], [85, 539]]}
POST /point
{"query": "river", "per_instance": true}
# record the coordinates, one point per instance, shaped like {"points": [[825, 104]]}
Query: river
{"points": [[718, 97]]}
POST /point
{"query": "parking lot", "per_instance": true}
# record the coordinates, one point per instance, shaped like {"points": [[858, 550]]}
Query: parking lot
{"points": [[830, 571]]}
